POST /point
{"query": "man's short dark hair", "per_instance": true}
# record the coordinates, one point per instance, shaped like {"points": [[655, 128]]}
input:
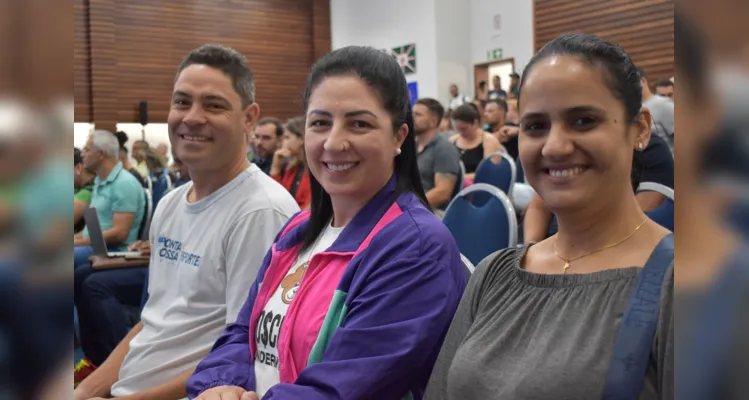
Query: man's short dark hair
{"points": [[77, 157], [434, 107], [274, 121], [499, 102], [467, 113], [663, 83], [122, 138], [515, 75], [230, 62]]}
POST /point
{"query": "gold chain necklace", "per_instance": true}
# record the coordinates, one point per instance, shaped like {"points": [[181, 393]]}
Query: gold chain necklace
{"points": [[608, 246]]}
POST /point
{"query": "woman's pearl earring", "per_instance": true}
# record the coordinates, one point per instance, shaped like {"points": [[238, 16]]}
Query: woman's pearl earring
{"points": [[397, 152], [640, 146]]}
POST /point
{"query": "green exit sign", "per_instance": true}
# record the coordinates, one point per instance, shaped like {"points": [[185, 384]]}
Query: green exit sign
{"points": [[494, 54]]}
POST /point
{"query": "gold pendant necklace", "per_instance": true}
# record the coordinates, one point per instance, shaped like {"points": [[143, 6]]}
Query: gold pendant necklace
{"points": [[567, 262]]}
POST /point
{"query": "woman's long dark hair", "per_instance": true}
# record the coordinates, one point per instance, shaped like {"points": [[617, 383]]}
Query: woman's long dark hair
{"points": [[382, 73], [619, 71]]}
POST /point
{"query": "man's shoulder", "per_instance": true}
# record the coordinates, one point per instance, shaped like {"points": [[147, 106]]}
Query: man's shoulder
{"points": [[175, 194], [659, 104], [443, 144], [126, 180], [261, 192]]}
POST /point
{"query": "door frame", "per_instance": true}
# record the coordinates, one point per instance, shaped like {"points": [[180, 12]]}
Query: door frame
{"points": [[485, 66]]}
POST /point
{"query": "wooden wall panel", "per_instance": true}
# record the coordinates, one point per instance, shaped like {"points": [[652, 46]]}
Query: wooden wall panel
{"points": [[105, 87], [81, 62], [280, 39], [644, 28], [321, 27]]}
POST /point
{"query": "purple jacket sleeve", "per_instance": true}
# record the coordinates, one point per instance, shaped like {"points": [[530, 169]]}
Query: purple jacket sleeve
{"points": [[391, 336], [228, 363]]}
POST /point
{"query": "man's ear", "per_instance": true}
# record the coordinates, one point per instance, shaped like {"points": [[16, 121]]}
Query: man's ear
{"points": [[642, 129], [252, 114]]}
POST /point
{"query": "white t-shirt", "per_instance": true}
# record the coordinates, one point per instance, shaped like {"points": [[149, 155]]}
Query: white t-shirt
{"points": [[204, 258], [272, 316], [458, 101]]}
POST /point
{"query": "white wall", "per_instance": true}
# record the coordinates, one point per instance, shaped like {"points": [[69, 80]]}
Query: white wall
{"points": [[453, 36], [515, 36], [450, 35], [387, 24]]}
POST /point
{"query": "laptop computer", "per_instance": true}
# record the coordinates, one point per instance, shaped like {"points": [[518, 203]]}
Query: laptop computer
{"points": [[96, 235]]}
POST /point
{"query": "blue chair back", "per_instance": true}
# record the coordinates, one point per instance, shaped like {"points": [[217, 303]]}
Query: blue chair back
{"points": [[145, 224], [459, 182], [161, 184], [663, 214], [500, 175], [480, 230], [520, 173]]}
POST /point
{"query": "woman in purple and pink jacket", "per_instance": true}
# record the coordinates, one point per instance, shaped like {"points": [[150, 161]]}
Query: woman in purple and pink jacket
{"points": [[355, 296]]}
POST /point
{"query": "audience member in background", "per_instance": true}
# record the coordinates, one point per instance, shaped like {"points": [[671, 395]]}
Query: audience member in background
{"points": [[497, 92], [514, 85], [125, 158], [438, 159], [117, 197], [512, 112], [83, 181], [482, 92], [289, 165], [183, 173], [526, 327], [163, 150], [446, 125], [480, 109], [655, 164], [155, 162], [665, 88], [495, 117], [208, 237], [139, 155], [268, 139], [472, 142], [457, 99], [661, 111], [363, 314]]}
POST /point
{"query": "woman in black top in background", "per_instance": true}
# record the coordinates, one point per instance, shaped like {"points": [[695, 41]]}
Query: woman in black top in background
{"points": [[473, 143]]}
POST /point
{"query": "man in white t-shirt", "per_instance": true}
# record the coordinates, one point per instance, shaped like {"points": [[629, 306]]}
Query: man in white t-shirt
{"points": [[208, 238], [456, 98], [661, 111]]}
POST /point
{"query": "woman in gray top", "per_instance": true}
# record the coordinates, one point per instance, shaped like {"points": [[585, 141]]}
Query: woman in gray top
{"points": [[540, 322]]}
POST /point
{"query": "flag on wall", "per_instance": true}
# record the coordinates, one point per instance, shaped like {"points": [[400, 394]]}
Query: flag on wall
{"points": [[406, 56]]}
